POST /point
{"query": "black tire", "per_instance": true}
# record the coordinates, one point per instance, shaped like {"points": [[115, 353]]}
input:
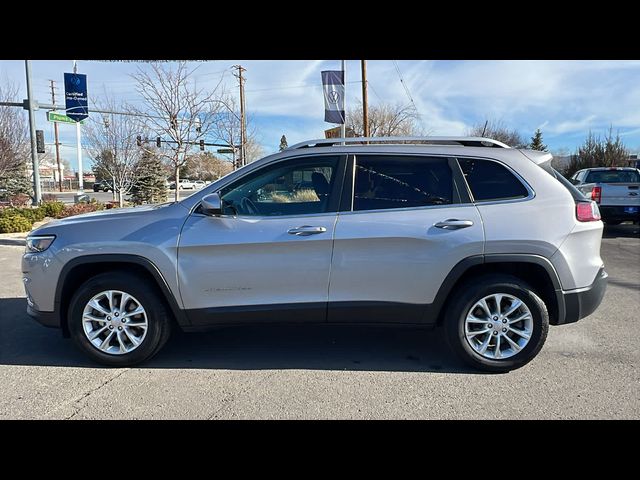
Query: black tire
{"points": [[471, 292], [159, 320]]}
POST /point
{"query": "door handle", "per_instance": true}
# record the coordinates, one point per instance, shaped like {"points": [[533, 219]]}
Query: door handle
{"points": [[454, 224], [306, 230]]}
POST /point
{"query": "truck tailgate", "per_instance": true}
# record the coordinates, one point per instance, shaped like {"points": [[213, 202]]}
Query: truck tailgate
{"points": [[620, 194]]}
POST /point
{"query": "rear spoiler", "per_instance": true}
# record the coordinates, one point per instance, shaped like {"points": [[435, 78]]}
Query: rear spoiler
{"points": [[537, 157]]}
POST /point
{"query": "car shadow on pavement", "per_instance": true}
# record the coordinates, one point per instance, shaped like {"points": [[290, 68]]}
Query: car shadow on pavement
{"points": [[624, 230], [319, 347]]}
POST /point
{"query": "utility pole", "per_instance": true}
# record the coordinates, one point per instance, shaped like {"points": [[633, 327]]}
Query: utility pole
{"points": [[79, 146], [32, 130], [243, 119], [365, 106], [55, 133], [343, 130]]}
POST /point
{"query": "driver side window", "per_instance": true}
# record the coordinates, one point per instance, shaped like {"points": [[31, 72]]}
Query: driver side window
{"points": [[293, 187]]}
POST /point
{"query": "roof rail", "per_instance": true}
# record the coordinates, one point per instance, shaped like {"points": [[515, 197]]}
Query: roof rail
{"points": [[460, 141]]}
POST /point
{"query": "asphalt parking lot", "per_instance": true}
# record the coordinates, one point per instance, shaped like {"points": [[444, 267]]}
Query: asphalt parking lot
{"points": [[590, 369]]}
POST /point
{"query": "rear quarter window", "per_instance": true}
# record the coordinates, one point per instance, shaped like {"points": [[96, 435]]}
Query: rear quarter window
{"points": [[489, 180]]}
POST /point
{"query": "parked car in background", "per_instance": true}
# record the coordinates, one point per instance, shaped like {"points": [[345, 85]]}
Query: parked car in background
{"points": [[102, 186], [485, 241], [616, 190], [185, 184], [199, 184]]}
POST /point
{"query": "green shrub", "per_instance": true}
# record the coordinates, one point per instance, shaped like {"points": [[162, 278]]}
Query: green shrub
{"points": [[33, 214], [52, 209], [14, 223]]}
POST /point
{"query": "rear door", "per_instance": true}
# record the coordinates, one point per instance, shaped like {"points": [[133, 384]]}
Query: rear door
{"points": [[408, 221]]}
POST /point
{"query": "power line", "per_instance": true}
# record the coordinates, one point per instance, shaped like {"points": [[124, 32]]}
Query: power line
{"points": [[406, 88]]}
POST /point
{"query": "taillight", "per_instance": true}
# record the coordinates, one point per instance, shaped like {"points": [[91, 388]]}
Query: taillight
{"points": [[587, 212], [596, 194]]}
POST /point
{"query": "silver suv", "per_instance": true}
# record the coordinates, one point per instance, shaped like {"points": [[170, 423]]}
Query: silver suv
{"points": [[486, 241]]}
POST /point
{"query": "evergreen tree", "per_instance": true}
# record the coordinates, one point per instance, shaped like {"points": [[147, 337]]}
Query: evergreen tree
{"points": [[536, 142], [150, 184], [283, 143]]}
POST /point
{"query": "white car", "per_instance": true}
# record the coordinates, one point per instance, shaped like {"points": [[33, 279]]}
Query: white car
{"points": [[199, 183], [187, 184]]}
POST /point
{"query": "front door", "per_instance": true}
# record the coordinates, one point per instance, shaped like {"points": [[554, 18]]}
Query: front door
{"points": [[409, 223], [267, 258]]}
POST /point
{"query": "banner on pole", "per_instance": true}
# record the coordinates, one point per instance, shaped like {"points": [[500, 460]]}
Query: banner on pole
{"points": [[75, 95], [333, 87]]}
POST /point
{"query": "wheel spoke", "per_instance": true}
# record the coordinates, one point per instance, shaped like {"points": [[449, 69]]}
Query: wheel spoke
{"points": [[87, 317], [521, 333], [131, 337], [123, 301], [106, 341], [514, 306], [121, 342], [485, 344], [474, 319], [498, 353], [485, 307], [515, 346], [109, 296], [96, 333], [479, 332], [133, 313], [498, 298], [96, 306], [520, 318]]}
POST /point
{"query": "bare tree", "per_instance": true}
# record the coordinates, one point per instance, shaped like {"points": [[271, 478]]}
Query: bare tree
{"points": [[386, 120], [177, 110], [112, 142], [227, 129], [598, 152], [206, 166], [497, 130], [14, 139]]}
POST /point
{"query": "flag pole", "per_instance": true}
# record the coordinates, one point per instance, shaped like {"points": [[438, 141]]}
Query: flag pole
{"points": [[343, 132]]}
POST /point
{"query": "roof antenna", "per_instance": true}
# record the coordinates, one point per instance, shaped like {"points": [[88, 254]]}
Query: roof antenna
{"points": [[485, 128]]}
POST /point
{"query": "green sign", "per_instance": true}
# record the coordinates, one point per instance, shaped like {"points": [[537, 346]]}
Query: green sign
{"points": [[60, 118], [225, 150]]}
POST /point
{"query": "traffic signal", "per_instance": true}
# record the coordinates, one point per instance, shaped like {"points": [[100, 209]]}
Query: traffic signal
{"points": [[40, 141], [202, 145], [158, 142], [139, 140]]}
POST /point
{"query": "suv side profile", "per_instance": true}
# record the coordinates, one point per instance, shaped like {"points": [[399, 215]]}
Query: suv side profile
{"points": [[467, 234]]}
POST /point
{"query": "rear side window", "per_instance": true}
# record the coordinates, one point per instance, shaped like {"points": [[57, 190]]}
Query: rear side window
{"points": [[613, 176], [490, 180], [383, 182]]}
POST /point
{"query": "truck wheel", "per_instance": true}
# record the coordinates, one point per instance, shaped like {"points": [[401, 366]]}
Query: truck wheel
{"points": [[496, 323]]}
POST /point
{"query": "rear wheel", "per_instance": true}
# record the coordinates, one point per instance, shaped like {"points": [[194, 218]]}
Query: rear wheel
{"points": [[496, 323], [118, 320]]}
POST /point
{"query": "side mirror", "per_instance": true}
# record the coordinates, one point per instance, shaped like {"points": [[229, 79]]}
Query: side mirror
{"points": [[212, 204]]}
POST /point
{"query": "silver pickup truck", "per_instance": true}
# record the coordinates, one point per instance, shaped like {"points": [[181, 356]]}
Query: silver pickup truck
{"points": [[615, 189]]}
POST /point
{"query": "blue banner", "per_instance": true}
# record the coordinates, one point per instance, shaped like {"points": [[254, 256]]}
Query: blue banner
{"points": [[75, 96], [333, 87]]}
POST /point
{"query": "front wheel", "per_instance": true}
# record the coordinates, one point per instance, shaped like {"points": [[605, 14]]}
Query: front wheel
{"points": [[496, 323], [118, 319]]}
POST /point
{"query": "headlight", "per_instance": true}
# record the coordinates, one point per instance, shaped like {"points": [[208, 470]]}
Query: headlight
{"points": [[39, 243]]}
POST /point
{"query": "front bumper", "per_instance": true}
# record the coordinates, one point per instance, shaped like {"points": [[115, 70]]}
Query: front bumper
{"points": [[48, 319], [583, 302]]}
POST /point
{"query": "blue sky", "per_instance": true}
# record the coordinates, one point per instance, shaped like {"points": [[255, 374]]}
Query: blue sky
{"points": [[563, 98]]}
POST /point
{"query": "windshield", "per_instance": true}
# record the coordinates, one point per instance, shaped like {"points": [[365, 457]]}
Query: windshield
{"points": [[613, 176]]}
